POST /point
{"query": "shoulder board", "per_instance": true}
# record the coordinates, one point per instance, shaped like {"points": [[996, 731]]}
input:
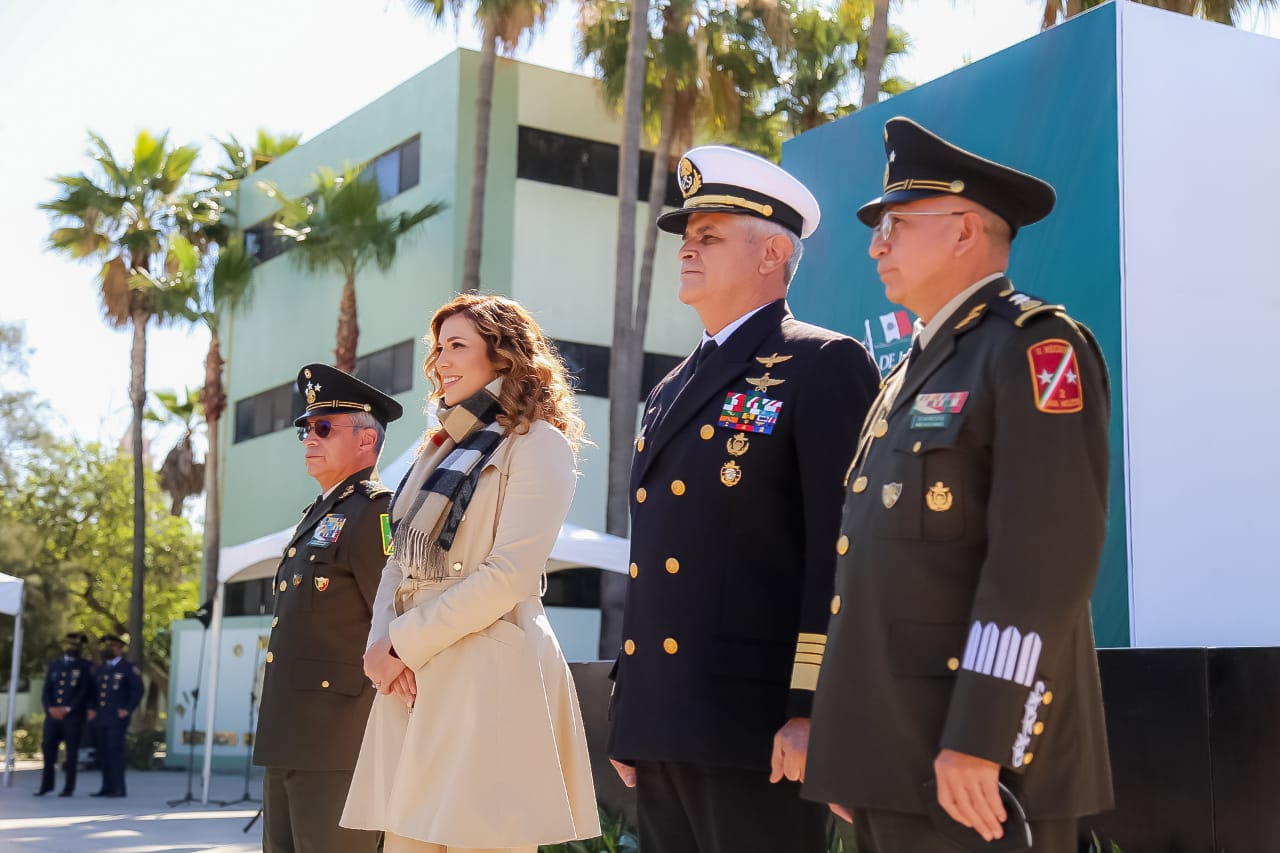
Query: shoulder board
{"points": [[374, 488], [1019, 308]]}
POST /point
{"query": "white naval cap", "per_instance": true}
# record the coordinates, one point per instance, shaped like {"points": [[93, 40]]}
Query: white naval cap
{"points": [[721, 179]]}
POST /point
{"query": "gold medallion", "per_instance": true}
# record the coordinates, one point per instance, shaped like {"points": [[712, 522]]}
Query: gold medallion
{"points": [[730, 474], [939, 497], [738, 444], [890, 493], [763, 383]]}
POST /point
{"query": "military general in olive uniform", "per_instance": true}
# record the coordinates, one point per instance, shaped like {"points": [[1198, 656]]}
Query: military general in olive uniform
{"points": [[315, 698], [961, 653], [736, 490]]}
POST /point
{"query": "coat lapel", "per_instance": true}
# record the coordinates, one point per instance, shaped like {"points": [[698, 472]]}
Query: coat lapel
{"points": [[943, 344], [724, 367], [324, 505]]}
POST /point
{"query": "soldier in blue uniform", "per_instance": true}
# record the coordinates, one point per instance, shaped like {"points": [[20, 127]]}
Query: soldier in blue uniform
{"points": [[117, 692], [736, 492], [67, 686], [960, 672], [315, 696]]}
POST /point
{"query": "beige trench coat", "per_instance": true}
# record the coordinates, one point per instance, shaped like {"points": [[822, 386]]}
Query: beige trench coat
{"points": [[493, 753]]}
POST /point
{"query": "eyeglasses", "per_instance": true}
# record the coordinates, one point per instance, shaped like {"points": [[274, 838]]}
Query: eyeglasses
{"points": [[322, 429], [885, 226]]}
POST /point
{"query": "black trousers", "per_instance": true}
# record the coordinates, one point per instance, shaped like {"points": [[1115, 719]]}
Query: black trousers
{"points": [[300, 812], [68, 731], [109, 732], [692, 808], [897, 832]]}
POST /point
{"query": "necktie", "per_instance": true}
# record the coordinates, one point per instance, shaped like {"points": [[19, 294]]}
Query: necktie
{"points": [[704, 352]]}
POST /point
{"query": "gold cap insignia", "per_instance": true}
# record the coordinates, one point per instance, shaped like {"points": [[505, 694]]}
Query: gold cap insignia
{"points": [[688, 177], [312, 388], [307, 372]]}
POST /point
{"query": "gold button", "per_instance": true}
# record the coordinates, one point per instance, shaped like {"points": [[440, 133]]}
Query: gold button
{"points": [[842, 545], [673, 565], [835, 604], [635, 570], [859, 485], [915, 448], [270, 657], [293, 551], [284, 585], [677, 487], [312, 558], [1026, 759], [670, 646], [1037, 729], [1048, 697], [881, 427], [953, 664], [457, 567], [275, 621], [629, 647], [640, 444], [324, 683], [641, 494], [707, 431]]}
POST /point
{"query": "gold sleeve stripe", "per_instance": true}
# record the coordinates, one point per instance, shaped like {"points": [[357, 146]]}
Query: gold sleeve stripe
{"points": [[803, 658], [811, 648], [812, 638], [804, 677]]}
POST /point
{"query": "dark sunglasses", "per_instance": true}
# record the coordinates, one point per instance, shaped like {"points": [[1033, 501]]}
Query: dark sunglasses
{"points": [[322, 429]]}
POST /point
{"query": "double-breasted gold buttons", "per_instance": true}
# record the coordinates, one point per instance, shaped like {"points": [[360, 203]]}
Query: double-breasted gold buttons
{"points": [[635, 570], [1037, 729], [629, 647], [915, 448], [859, 485], [670, 646], [1047, 698], [641, 494], [673, 565], [325, 684], [707, 432], [842, 545], [835, 604], [677, 487], [953, 664], [1026, 759]]}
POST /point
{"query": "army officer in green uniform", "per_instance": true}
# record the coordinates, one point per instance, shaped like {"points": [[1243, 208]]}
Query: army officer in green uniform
{"points": [[315, 698], [736, 492], [961, 652]]}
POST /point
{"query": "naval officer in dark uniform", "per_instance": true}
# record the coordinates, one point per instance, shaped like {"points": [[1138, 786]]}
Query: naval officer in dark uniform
{"points": [[315, 698], [961, 653], [736, 490], [117, 691], [67, 688]]}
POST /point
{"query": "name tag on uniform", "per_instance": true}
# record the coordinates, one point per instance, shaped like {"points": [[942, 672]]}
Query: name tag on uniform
{"points": [[750, 413], [934, 411], [328, 531]]}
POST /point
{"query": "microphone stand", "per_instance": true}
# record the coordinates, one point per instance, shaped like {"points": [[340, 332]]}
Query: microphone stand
{"points": [[191, 734], [248, 756]]}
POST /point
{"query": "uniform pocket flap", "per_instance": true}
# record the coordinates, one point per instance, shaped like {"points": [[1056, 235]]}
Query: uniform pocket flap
{"points": [[926, 649], [327, 675]]}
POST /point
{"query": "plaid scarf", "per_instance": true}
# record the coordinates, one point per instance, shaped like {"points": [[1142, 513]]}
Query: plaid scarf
{"points": [[426, 527]]}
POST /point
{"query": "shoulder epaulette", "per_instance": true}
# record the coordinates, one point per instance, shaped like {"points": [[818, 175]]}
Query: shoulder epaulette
{"points": [[374, 488], [1019, 308]]}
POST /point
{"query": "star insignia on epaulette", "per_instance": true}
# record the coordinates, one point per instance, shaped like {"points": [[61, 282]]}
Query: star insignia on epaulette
{"points": [[374, 488], [763, 383]]}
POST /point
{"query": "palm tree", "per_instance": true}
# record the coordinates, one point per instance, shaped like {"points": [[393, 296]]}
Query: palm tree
{"points": [[503, 23], [180, 474], [1220, 11], [876, 50], [123, 217], [338, 226]]}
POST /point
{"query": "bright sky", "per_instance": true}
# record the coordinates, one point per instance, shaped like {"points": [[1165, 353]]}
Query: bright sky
{"points": [[200, 70]]}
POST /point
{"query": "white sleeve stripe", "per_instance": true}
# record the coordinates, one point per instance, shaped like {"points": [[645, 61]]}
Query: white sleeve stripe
{"points": [[1006, 654]]}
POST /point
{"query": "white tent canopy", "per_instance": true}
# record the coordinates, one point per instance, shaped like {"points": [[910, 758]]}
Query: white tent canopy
{"points": [[259, 558], [11, 601]]}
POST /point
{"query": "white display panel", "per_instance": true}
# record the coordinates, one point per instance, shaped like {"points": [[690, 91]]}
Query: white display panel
{"points": [[1200, 194]]}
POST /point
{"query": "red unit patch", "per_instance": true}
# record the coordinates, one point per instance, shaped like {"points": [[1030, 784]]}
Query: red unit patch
{"points": [[1055, 377]]}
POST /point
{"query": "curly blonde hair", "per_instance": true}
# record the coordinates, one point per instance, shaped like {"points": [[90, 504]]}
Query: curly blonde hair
{"points": [[535, 383]]}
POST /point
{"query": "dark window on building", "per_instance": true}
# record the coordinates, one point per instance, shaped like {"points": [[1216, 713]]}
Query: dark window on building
{"points": [[588, 366], [573, 588], [249, 598], [584, 164], [263, 243], [390, 370], [398, 169]]}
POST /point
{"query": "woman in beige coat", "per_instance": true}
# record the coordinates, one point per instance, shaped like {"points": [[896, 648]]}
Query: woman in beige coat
{"points": [[475, 741]]}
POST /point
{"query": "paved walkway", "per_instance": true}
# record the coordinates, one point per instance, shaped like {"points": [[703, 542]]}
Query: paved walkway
{"points": [[139, 823]]}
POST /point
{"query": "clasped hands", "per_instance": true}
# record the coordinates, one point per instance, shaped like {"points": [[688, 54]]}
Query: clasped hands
{"points": [[389, 674]]}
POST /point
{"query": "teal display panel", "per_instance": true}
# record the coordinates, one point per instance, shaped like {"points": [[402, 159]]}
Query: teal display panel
{"points": [[1048, 106]]}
